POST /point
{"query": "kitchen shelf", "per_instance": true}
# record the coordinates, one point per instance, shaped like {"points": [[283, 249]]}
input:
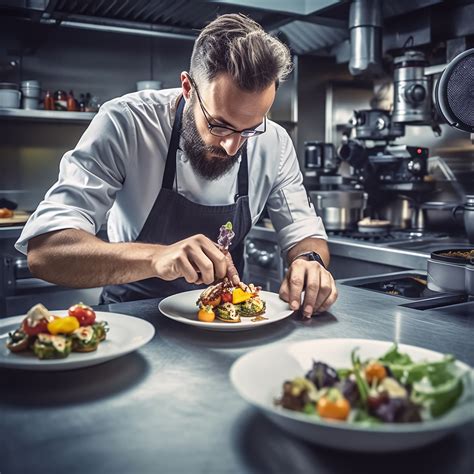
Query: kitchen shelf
{"points": [[46, 115]]}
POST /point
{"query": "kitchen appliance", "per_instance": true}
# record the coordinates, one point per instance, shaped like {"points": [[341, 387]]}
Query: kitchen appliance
{"points": [[454, 92], [321, 163], [383, 165], [412, 90], [339, 209], [468, 212], [365, 27], [450, 271], [398, 210], [413, 287]]}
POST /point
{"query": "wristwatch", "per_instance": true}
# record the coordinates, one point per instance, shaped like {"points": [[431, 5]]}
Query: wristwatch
{"points": [[312, 257]]}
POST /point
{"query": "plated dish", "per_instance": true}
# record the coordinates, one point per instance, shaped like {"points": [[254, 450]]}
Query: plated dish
{"points": [[126, 334], [446, 405], [230, 303], [49, 336], [182, 308]]}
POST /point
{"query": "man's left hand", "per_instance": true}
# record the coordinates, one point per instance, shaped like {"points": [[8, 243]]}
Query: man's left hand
{"points": [[317, 283]]}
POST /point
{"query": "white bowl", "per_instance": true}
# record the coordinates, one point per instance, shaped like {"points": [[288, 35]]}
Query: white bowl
{"points": [[9, 99], [259, 375]]}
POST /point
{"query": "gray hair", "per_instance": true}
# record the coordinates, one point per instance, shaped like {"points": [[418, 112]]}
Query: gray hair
{"points": [[237, 45]]}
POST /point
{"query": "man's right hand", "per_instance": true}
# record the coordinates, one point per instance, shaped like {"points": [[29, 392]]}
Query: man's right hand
{"points": [[197, 259]]}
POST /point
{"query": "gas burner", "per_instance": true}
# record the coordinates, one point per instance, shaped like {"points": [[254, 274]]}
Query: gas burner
{"points": [[386, 237]]}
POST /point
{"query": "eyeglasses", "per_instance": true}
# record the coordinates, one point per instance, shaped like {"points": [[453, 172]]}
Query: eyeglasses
{"points": [[223, 131]]}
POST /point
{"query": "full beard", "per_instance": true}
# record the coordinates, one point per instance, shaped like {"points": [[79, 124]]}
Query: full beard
{"points": [[210, 162]]}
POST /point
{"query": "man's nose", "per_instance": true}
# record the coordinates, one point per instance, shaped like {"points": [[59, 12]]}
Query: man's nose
{"points": [[232, 143]]}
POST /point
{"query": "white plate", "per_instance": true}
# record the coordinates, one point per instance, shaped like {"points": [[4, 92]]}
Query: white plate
{"points": [[259, 375], [126, 334], [182, 308]]}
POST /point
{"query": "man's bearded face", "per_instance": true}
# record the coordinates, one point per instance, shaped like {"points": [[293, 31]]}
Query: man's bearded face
{"points": [[209, 161]]}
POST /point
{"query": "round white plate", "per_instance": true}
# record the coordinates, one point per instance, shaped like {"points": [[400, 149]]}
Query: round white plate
{"points": [[259, 375], [182, 308], [126, 335]]}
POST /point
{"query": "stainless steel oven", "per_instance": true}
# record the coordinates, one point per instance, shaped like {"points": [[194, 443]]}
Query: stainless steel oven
{"points": [[264, 265], [19, 290]]}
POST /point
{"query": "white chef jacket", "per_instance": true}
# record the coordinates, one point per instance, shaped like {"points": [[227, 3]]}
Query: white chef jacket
{"points": [[115, 172]]}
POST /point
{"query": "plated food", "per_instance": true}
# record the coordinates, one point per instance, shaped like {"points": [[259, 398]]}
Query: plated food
{"points": [[50, 336], [230, 303], [258, 377], [389, 389]]}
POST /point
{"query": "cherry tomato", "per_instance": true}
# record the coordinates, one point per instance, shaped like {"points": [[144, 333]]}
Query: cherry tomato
{"points": [[215, 302], [41, 326], [226, 297], [206, 314], [375, 371], [83, 313], [333, 406]]}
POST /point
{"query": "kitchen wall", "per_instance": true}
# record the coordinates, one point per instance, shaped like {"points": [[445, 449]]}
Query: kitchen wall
{"points": [[105, 64]]}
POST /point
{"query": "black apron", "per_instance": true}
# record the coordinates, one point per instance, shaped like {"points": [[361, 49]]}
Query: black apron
{"points": [[174, 218]]}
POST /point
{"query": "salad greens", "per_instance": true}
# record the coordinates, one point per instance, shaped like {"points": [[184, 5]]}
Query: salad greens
{"points": [[390, 389]]}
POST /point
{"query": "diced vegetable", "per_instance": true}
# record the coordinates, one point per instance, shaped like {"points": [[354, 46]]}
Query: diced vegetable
{"points": [[375, 371], [65, 325], [239, 295], [228, 313], [322, 375], [206, 314], [333, 405]]}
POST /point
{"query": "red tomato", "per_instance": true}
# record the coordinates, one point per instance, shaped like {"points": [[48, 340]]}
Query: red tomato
{"points": [[41, 326], [226, 297], [83, 313]]}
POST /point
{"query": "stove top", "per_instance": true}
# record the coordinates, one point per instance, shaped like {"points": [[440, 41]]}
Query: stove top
{"points": [[387, 237]]}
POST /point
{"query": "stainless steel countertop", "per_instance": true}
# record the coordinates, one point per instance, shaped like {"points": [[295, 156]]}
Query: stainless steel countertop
{"points": [[170, 406]]}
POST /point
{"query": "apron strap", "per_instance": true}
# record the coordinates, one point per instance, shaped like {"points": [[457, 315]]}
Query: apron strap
{"points": [[170, 167], [243, 176]]}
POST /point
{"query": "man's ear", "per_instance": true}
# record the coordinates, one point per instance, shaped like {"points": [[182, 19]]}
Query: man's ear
{"points": [[186, 85]]}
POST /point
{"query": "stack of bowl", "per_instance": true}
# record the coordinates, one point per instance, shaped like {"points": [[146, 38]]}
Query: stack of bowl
{"points": [[9, 95]]}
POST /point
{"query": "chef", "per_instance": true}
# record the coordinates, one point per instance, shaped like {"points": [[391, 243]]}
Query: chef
{"points": [[166, 169]]}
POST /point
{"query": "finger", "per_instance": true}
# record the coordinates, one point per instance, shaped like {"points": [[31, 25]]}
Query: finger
{"points": [[330, 300], [203, 264], [216, 256], [325, 289], [188, 271], [232, 272], [312, 289], [296, 279], [284, 291]]}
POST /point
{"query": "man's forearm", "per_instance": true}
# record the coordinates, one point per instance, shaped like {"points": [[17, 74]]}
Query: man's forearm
{"points": [[75, 258], [310, 244]]}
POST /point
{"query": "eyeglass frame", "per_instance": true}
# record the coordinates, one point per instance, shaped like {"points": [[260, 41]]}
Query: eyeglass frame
{"points": [[212, 126]]}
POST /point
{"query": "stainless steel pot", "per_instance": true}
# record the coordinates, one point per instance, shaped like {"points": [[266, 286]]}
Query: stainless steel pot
{"points": [[339, 210], [398, 211], [468, 211], [448, 273]]}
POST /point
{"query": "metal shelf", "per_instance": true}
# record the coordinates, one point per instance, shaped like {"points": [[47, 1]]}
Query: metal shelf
{"points": [[46, 115]]}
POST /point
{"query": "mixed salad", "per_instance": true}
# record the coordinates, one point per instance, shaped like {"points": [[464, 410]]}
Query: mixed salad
{"points": [[54, 337], [390, 389], [229, 303]]}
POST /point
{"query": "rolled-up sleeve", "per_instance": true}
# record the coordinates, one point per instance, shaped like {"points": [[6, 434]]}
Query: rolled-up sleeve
{"points": [[89, 177], [291, 211]]}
